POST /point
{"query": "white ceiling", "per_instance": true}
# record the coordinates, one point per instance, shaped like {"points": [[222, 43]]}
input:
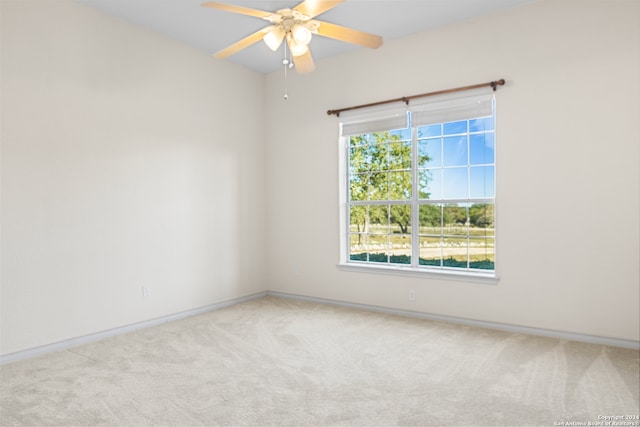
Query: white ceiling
{"points": [[212, 30]]}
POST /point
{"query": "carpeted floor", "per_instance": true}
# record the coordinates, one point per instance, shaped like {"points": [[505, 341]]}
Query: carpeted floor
{"points": [[280, 362]]}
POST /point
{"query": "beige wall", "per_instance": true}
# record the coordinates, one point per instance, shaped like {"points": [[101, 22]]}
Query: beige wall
{"points": [[568, 140], [125, 162]]}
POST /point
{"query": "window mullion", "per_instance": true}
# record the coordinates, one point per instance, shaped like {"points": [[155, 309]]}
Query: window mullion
{"points": [[415, 191]]}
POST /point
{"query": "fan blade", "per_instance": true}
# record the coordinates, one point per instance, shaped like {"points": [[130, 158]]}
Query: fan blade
{"points": [[304, 63], [245, 42], [237, 9], [349, 35], [313, 8]]}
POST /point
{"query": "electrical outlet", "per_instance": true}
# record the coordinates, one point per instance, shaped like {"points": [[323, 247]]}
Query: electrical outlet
{"points": [[145, 291], [412, 294]]}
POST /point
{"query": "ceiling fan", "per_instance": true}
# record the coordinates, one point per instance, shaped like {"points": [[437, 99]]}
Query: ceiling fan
{"points": [[296, 26]]}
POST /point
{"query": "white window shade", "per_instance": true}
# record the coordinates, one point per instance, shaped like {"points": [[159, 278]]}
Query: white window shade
{"points": [[451, 109], [374, 120]]}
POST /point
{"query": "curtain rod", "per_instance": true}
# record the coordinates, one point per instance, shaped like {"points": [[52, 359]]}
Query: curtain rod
{"points": [[406, 99]]}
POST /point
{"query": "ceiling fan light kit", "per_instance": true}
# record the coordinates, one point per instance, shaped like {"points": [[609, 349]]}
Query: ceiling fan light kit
{"points": [[296, 26]]}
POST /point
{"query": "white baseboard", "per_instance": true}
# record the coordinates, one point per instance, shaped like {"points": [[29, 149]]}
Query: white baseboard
{"points": [[86, 339], [615, 342]]}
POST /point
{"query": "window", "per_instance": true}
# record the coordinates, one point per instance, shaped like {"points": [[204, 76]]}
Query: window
{"points": [[419, 187]]}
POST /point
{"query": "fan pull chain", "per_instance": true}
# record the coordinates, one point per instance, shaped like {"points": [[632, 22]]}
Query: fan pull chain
{"points": [[287, 64]]}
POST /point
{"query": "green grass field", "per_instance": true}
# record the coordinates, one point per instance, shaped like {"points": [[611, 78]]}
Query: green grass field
{"points": [[477, 264]]}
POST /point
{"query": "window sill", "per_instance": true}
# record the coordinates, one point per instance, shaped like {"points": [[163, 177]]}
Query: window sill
{"points": [[484, 278]]}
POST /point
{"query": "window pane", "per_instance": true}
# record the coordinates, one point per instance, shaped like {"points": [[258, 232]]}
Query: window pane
{"points": [[357, 247], [482, 181], [455, 183], [358, 161], [431, 130], [430, 219], [430, 183], [455, 151], [430, 152], [481, 220], [377, 245], [380, 257], [400, 216], [379, 138], [400, 185], [358, 186], [479, 125], [358, 140], [378, 219], [404, 134], [454, 220], [400, 249], [377, 157], [431, 251], [378, 186], [482, 253], [357, 216], [400, 155], [481, 149], [454, 252], [455, 127]]}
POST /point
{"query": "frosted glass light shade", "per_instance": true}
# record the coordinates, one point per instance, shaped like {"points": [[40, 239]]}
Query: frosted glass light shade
{"points": [[273, 38], [297, 49], [301, 34]]}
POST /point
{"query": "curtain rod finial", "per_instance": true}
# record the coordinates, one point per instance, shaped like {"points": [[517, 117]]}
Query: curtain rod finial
{"points": [[494, 85]]}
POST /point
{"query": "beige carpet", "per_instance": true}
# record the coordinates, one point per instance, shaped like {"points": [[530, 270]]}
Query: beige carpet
{"points": [[278, 362]]}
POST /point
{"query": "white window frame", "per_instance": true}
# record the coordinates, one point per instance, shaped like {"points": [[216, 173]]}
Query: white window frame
{"points": [[359, 122]]}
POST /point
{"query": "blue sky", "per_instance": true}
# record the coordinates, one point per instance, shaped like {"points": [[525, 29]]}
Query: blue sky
{"points": [[461, 157]]}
